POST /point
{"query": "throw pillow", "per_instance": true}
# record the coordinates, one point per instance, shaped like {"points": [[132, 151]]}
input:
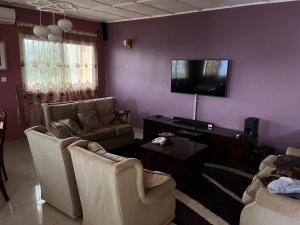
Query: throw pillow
{"points": [[120, 117], [89, 120], [99, 150], [287, 171], [154, 178], [95, 147], [59, 130], [71, 125], [287, 165], [287, 160]]}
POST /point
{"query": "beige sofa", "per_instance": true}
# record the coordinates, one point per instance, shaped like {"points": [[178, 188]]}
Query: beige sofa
{"points": [[54, 169], [264, 208], [113, 190], [109, 136]]}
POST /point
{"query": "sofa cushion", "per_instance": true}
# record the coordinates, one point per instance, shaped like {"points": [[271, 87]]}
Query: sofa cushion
{"points": [[105, 120], [121, 129], [63, 111], [154, 178], [94, 147], [99, 150], [287, 160], [59, 130], [112, 157], [105, 108], [85, 106], [89, 120], [98, 134], [71, 125]]}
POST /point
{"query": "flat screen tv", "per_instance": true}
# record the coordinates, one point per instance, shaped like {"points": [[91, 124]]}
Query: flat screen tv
{"points": [[204, 77]]}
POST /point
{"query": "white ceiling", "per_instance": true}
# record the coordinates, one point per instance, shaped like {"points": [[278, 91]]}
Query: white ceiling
{"points": [[123, 10]]}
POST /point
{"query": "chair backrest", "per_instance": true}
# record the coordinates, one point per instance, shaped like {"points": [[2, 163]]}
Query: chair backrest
{"points": [[54, 169], [109, 191]]}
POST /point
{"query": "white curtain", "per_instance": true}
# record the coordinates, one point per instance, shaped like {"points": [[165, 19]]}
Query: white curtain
{"points": [[58, 66]]}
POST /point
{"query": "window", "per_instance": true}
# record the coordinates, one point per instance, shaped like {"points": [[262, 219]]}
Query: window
{"points": [[58, 66]]}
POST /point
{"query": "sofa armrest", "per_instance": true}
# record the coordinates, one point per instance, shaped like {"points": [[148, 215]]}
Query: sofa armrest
{"points": [[157, 193], [129, 120], [293, 151], [280, 204]]}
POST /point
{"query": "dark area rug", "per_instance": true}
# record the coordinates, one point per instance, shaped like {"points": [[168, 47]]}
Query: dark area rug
{"points": [[202, 201]]}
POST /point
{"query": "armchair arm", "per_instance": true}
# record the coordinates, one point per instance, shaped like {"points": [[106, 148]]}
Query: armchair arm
{"points": [[293, 151], [157, 193], [151, 195], [280, 204]]}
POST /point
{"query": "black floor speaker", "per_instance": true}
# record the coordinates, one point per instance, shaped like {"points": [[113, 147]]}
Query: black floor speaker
{"points": [[251, 127]]}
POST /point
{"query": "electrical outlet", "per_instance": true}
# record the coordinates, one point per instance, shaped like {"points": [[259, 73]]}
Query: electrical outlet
{"points": [[3, 79]]}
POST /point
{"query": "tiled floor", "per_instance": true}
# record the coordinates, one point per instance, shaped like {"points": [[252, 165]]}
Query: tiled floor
{"points": [[26, 206]]}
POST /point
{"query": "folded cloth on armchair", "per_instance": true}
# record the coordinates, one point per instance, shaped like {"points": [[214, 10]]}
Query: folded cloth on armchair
{"points": [[284, 185]]}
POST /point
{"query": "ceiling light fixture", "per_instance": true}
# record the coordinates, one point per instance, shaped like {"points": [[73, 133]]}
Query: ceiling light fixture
{"points": [[40, 30], [64, 24], [53, 31]]}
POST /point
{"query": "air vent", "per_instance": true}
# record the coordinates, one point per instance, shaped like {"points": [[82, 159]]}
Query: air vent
{"points": [[7, 16]]}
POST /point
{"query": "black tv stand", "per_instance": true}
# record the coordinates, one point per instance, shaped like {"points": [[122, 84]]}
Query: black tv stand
{"points": [[224, 147]]}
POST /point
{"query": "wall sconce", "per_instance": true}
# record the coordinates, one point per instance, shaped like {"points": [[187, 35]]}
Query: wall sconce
{"points": [[127, 43]]}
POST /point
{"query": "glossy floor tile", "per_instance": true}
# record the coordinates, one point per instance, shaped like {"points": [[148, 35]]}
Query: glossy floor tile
{"points": [[26, 206]]}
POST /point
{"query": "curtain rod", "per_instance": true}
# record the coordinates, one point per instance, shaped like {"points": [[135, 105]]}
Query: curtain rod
{"points": [[22, 24]]}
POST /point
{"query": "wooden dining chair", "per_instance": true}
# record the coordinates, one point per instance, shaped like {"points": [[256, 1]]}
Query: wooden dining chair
{"points": [[3, 121]]}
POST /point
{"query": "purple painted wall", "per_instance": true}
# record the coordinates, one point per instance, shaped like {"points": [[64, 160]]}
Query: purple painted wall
{"points": [[262, 41]]}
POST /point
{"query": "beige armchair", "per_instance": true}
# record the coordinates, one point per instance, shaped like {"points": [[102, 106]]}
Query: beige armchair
{"points": [[54, 169], [265, 169], [264, 208], [271, 209], [113, 192]]}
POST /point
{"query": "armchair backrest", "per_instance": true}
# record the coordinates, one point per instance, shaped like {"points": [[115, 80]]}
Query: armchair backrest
{"points": [[109, 191], [54, 169]]}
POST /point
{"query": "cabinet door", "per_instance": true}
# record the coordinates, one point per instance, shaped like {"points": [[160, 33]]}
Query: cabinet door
{"points": [[217, 148], [237, 153]]}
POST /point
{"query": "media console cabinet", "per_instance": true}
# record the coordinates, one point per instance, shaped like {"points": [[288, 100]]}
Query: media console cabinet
{"points": [[223, 146]]}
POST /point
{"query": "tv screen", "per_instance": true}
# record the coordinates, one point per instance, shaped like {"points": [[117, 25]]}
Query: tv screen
{"points": [[204, 77]]}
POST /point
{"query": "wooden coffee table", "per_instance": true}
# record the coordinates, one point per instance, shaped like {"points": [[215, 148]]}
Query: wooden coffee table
{"points": [[179, 156]]}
